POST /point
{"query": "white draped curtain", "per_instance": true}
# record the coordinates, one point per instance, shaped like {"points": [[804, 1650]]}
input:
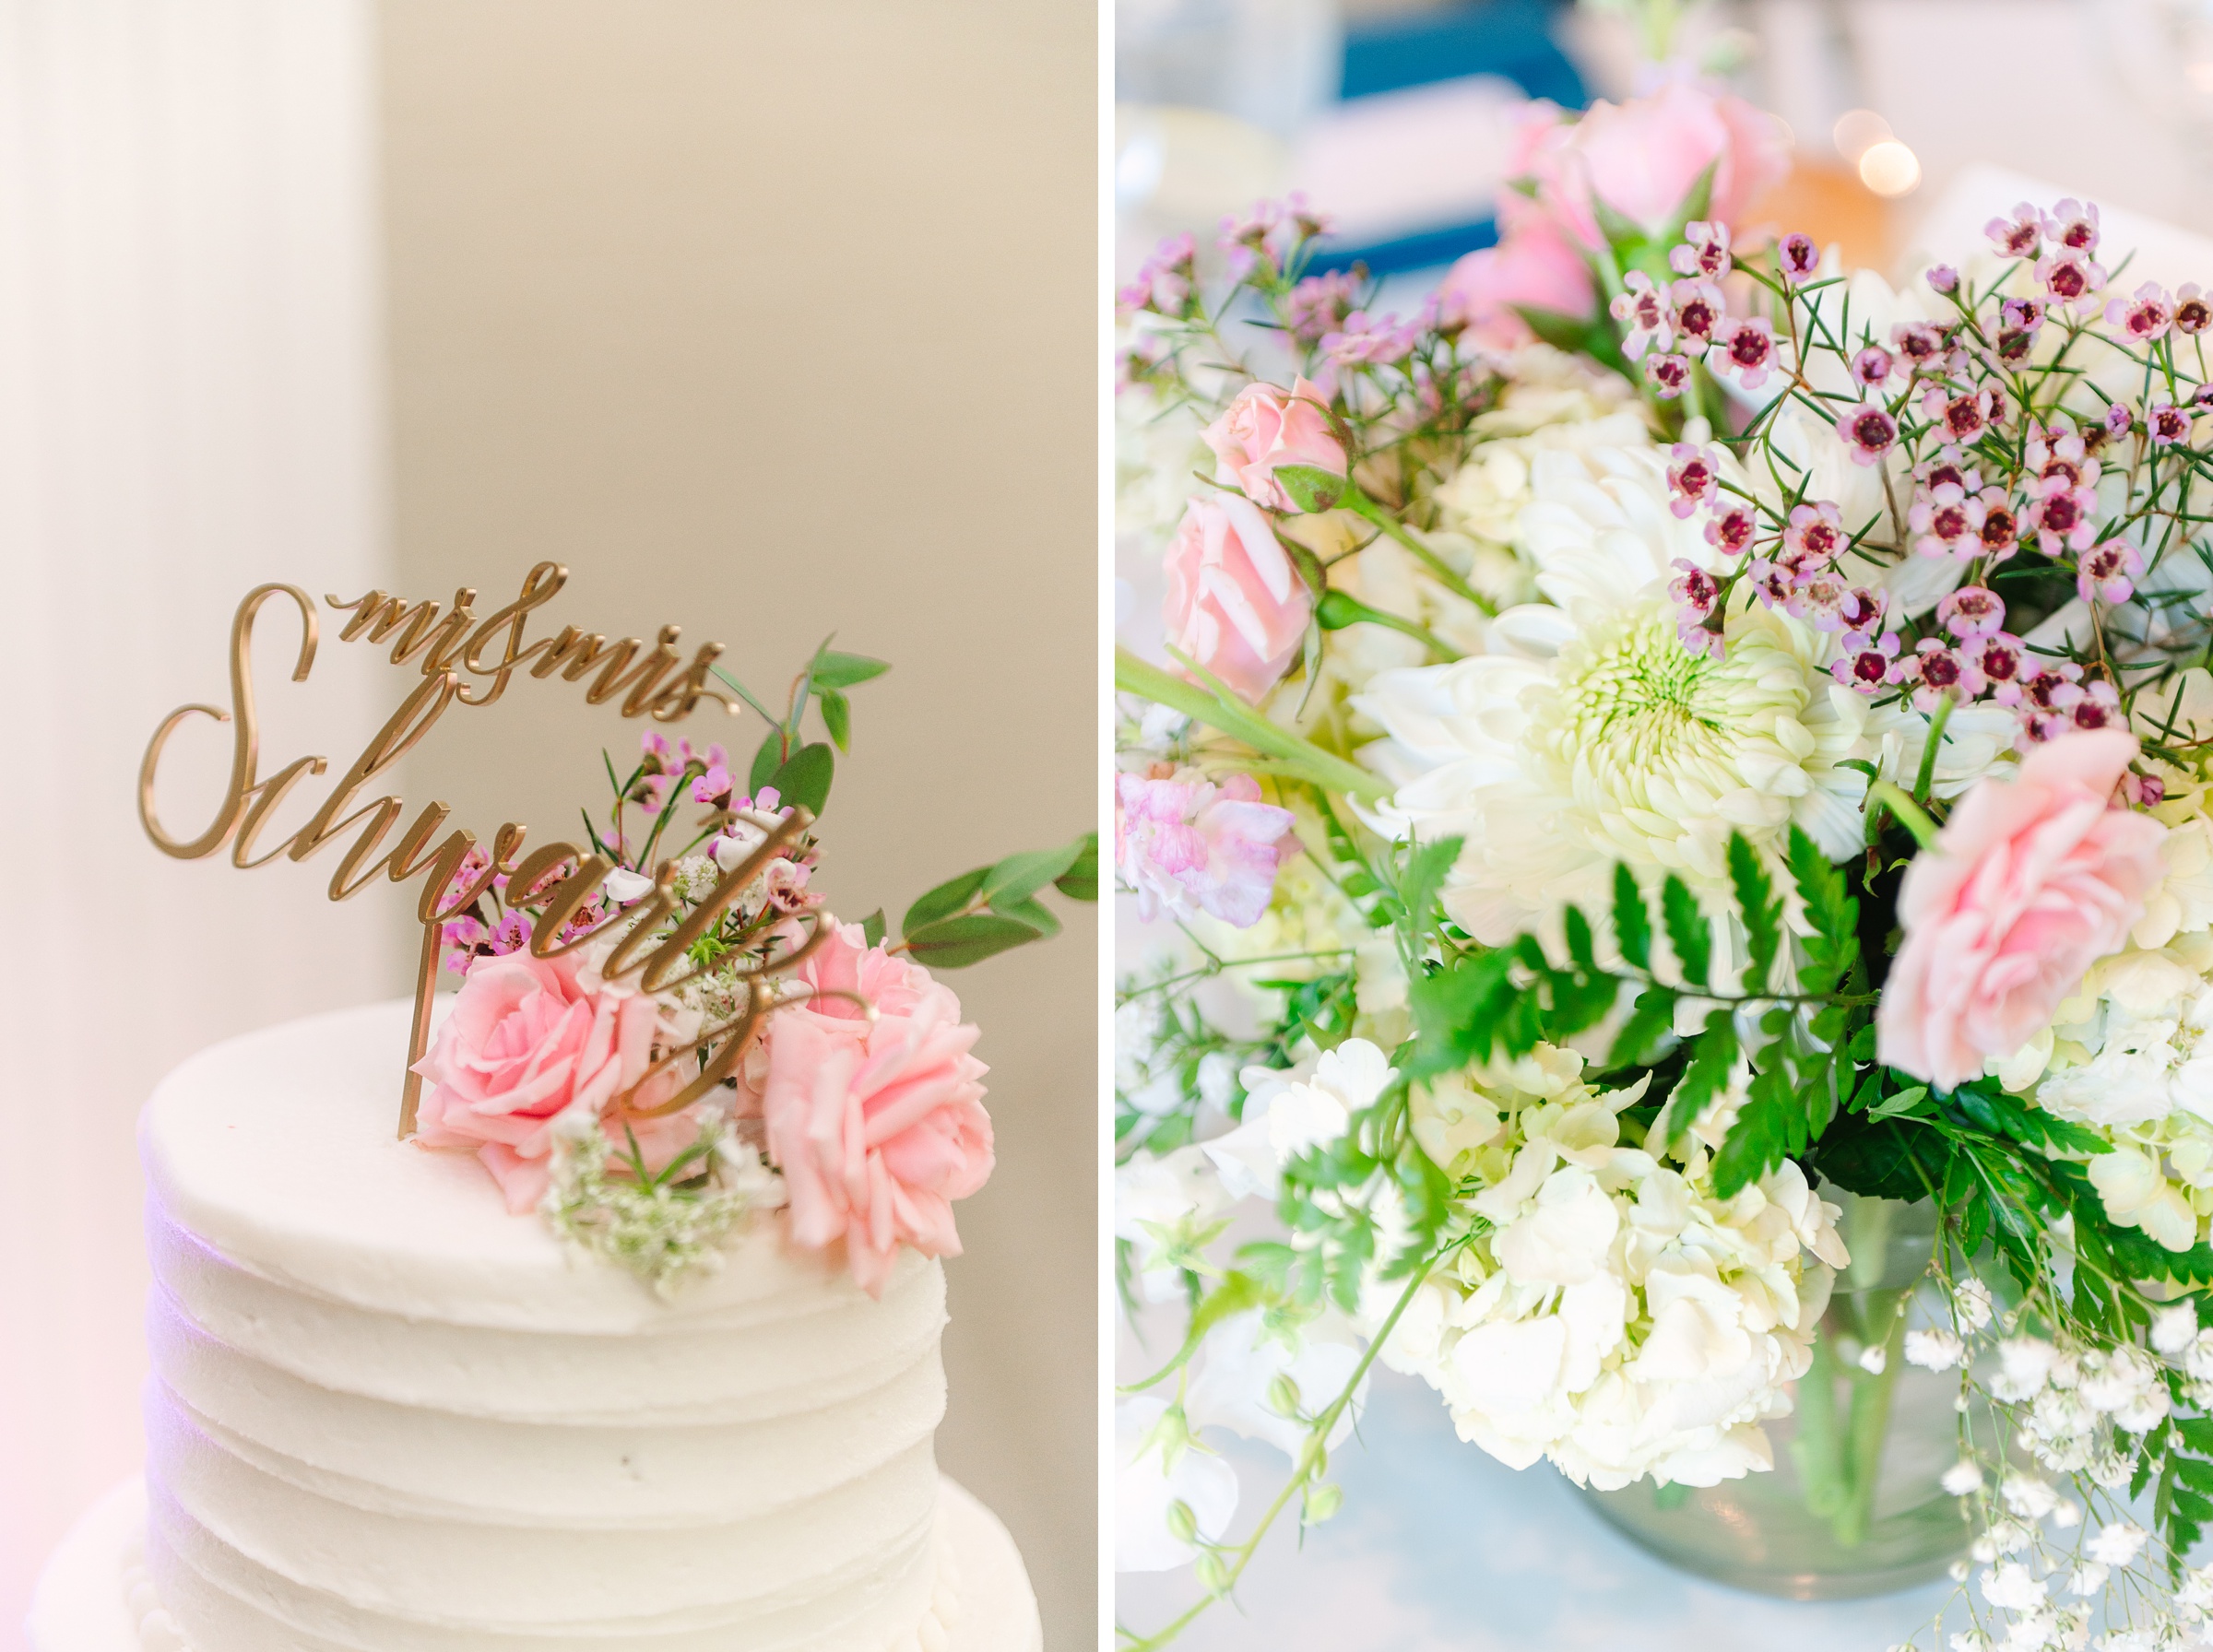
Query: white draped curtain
{"points": [[189, 405]]}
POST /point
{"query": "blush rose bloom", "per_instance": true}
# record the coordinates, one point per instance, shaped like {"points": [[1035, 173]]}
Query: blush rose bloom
{"points": [[878, 1125], [2030, 882], [1235, 603], [1188, 846], [527, 1039], [1643, 156], [1265, 429], [1532, 264]]}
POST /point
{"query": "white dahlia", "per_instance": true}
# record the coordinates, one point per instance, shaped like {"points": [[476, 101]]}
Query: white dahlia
{"points": [[1593, 735]]}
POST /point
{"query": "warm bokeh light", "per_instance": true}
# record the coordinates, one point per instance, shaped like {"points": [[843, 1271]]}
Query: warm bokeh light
{"points": [[1858, 131], [1889, 168]]}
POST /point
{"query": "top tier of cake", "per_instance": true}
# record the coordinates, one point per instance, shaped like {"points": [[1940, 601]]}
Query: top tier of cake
{"points": [[387, 1415]]}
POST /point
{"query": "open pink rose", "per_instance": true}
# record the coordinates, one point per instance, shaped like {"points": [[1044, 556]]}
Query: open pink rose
{"points": [[1535, 264], [526, 1039], [1235, 604], [1643, 156], [2031, 881], [1189, 847], [1265, 430], [878, 1125]]}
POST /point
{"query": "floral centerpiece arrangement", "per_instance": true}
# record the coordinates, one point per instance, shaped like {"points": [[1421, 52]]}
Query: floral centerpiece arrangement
{"points": [[852, 1101], [1654, 763]]}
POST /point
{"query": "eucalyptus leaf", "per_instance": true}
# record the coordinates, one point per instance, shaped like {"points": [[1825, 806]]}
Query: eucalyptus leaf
{"points": [[805, 777], [766, 761], [942, 901], [834, 670], [872, 928], [1080, 882], [1018, 877], [953, 943], [837, 717]]}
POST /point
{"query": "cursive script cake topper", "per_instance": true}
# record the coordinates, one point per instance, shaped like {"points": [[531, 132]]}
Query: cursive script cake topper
{"points": [[468, 661]]}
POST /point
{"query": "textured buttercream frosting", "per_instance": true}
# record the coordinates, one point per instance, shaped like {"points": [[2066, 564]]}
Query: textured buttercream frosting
{"points": [[386, 1415]]}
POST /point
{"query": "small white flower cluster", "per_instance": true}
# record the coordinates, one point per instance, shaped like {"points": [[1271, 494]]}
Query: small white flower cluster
{"points": [[662, 1235], [2079, 1412], [1617, 1318]]}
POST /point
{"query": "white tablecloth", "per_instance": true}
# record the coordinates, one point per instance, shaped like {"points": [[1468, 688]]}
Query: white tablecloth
{"points": [[1440, 1548]]}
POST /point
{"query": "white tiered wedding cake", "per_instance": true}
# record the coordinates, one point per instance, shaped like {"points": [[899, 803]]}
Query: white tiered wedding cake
{"points": [[387, 1416]]}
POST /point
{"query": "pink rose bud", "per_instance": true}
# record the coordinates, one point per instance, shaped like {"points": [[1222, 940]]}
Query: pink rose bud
{"points": [[1235, 605], [2031, 881], [1279, 448]]}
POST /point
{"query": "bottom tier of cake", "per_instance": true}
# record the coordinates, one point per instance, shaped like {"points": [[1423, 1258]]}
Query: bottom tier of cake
{"points": [[96, 1597]]}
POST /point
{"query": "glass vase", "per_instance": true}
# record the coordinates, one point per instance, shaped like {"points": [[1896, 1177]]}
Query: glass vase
{"points": [[1852, 1505]]}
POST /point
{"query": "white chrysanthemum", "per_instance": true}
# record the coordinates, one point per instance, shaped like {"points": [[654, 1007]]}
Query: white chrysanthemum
{"points": [[1618, 1319], [1595, 737]]}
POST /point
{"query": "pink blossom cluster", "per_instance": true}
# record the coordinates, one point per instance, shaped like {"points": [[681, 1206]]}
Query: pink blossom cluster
{"points": [[1269, 236], [1670, 326], [1167, 283]]}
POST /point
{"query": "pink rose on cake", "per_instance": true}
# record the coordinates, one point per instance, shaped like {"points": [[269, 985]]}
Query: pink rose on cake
{"points": [[527, 1039], [878, 1124]]}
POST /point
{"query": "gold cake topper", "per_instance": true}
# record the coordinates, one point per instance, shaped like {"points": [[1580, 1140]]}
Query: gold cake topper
{"points": [[469, 661]]}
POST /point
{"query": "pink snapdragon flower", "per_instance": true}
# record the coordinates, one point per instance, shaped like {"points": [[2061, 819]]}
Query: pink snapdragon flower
{"points": [[527, 1039], [1235, 603], [1533, 265], [874, 1116], [2031, 881], [1267, 428], [1185, 845]]}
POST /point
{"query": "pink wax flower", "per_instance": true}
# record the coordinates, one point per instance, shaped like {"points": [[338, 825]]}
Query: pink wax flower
{"points": [[2030, 882], [1187, 845], [1867, 432], [1266, 429], [877, 1122], [1235, 603], [1533, 265], [527, 1039], [1643, 156]]}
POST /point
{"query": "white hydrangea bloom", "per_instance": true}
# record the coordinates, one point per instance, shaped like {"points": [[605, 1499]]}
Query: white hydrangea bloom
{"points": [[1591, 734], [1290, 1110], [1620, 1319]]}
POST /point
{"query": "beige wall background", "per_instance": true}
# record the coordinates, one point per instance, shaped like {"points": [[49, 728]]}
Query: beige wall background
{"points": [[772, 320]]}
